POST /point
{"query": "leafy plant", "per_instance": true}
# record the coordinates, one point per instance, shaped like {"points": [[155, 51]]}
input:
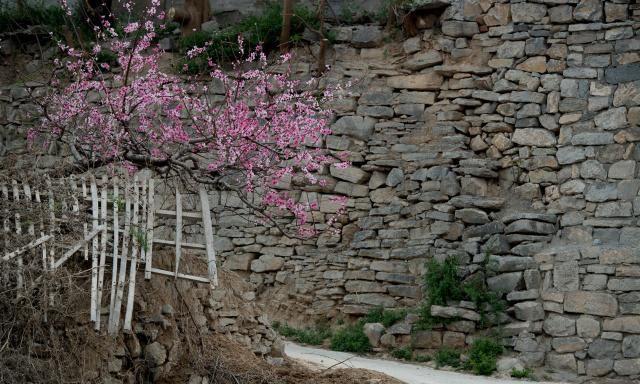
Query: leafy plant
{"points": [[263, 29], [385, 316], [311, 336], [422, 358], [29, 14], [483, 356], [402, 353], [351, 339], [447, 356], [521, 373], [443, 283]]}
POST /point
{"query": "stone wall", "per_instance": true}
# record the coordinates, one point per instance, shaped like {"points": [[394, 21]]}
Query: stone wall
{"points": [[507, 131]]}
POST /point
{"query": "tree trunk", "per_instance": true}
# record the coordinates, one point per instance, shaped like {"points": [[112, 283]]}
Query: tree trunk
{"points": [[285, 34]]}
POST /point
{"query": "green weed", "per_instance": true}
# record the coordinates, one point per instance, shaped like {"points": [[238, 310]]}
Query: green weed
{"points": [[402, 353], [483, 356], [351, 339], [447, 357], [311, 336], [521, 373], [385, 316]]}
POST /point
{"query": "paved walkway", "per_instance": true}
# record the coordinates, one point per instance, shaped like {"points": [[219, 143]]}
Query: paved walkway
{"points": [[409, 373]]}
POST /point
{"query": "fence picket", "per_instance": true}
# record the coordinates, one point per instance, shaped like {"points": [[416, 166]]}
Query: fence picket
{"points": [[134, 259], [103, 248], [115, 322], [150, 224], [178, 230], [208, 238], [94, 250], [114, 259]]}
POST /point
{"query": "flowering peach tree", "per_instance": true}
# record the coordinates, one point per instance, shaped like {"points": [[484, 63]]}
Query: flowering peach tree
{"points": [[245, 129]]}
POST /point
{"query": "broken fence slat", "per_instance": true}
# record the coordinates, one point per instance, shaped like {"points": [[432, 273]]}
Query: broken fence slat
{"points": [[94, 250], [114, 258], [208, 237], [180, 275], [77, 247], [114, 317], [178, 230], [128, 315], [25, 248], [150, 224], [103, 249]]}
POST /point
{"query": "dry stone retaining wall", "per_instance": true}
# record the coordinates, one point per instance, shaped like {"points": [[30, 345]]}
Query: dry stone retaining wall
{"points": [[507, 131]]}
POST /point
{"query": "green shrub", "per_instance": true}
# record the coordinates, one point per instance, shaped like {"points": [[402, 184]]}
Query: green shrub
{"points": [[442, 284], [521, 373], [422, 358], [261, 29], [15, 18], [402, 353], [385, 316], [351, 339], [447, 356], [483, 356], [311, 336]]}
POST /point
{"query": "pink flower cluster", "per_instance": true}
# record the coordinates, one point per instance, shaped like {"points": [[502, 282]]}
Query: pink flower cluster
{"points": [[261, 128]]}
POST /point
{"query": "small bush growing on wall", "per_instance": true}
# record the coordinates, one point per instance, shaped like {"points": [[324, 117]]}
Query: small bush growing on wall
{"points": [[351, 339], [483, 356]]}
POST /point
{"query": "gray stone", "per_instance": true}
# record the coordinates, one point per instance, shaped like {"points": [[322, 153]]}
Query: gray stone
{"points": [[534, 137], [373, 331], [599, 192], [472, 216], [530, 226], [562, 362], [603, 349], [504, 283], [395, 177], [510, 263], [460, 28], [454, 312], [588, 10], [351, 174], [631, 346], [373, 299], [511, 49], [366, 37], [568, 344], [527, 12], [627, 367], [557, 325], [267, 263], [592, 303], [570, 155], [566, 276], [614, 118], [356, 126], [624, 169], [426, 339], [377, 111], [423, 60], [155, 354], [424, 81], [592, 169], [598, 367], [588, 327], [622, 74], [592, 138], [561, 14], [529, 311]]}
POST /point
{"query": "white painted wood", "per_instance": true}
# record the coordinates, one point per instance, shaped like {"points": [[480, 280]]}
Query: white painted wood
{"points": [[178, 230], [185, 214], [143, 223], [208, 238], [134, 260], [114, 258], [163, 272], [114, 322], [35, 243], [150, 224], [89, 237], [52, 222], [94, 251], [182, 245], [103, 248]]}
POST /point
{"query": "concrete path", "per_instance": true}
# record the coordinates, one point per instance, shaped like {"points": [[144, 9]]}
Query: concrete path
{"points": [[409, 373]]}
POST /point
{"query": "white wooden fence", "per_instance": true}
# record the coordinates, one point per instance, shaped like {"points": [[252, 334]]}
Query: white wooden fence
{"points": [[123, 216]]}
